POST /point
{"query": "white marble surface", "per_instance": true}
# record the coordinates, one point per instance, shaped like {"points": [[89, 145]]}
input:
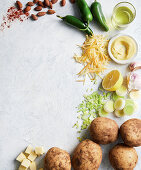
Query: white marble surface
{"points": [[38, 91]]}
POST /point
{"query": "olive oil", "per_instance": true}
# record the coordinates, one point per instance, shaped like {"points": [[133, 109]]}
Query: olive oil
{"points": [[123, 15]]}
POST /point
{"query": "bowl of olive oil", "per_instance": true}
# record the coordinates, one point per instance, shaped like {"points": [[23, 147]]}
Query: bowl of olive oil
{"points": [[123, 14]]}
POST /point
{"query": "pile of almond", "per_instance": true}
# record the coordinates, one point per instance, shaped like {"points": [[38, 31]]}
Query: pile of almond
{"points": [[39, 6]]}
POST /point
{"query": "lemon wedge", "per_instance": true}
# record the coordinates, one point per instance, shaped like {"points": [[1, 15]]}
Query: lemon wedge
{"points": [[109, 106], [119, 104], [122, 91], [112, 81], [119, 113]]}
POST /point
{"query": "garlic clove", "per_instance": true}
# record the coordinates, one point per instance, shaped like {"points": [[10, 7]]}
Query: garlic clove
{"points": [[134, 66], [133, 81]]}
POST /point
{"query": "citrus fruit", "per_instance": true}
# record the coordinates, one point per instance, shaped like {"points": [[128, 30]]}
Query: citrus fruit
{"points": [[112, 81]]}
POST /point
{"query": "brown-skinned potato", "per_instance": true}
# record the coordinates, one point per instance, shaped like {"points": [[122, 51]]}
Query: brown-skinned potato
{"points": [[104, 130], [131, 132], [123, 157], [57, 159], [87, 156]]}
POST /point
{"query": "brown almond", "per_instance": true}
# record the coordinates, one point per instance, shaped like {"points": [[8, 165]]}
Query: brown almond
{"points": [[30, 4], [34, 17], [35, 1], [40, 3], [54, 1], [50, 11], [19, 4], [38, 8], [72, 1], [46, 3], [28, 8], [50, 5], [63, 2], [41, 14]]}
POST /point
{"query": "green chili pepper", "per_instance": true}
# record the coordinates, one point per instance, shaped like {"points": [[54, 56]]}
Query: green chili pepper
{"points": [[85, 11], [98, 15], [75, 22]]}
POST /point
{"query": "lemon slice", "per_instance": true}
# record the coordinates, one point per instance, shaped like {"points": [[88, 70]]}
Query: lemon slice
{"points": [[135, 95], [112, 81], [119, 113], [122, 91], [102, 113], [119, 104], [129, 109], [109, 106]]}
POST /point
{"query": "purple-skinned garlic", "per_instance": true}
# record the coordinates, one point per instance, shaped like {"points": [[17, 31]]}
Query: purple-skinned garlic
{"points": [[133, 81], [134, 66]]}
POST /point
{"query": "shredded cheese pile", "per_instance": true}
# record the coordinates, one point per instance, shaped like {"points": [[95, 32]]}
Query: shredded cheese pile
{"points": [[94, 56]]}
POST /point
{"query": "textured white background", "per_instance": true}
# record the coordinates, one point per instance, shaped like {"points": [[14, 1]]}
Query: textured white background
{"points": [[38, 91]]}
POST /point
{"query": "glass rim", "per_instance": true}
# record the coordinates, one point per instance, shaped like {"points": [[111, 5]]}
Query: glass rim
{"points": [[129, 4]]}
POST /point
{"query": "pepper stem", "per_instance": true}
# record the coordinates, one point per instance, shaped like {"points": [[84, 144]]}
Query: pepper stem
{"points": [[59, 16]]}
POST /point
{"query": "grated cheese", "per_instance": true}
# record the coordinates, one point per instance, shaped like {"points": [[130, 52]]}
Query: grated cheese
{"points": [[94, 56]]}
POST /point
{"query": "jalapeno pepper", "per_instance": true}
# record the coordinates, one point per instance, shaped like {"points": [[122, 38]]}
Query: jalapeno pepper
{"points": [[98, 15], [75, 22], [85, 11]]}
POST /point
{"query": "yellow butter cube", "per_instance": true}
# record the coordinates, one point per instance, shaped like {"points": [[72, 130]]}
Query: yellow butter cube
{"points": [[29, 149], [39, 150], [33, 166], [22, 168], [25, 163], [21, 157], [32, 156]]}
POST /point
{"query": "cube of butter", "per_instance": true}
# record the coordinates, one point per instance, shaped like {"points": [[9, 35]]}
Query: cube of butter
{"points": [[33, 166], [29, 149], [22, 168], [39, 150], [21, 157], [32, 156], [25, 163]]}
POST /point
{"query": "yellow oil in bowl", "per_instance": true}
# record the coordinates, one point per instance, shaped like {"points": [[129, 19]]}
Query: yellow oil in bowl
{"points": [[123, 14]]}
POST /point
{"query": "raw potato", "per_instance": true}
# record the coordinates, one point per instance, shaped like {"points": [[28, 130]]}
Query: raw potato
{"points": [[123, 157], [87, 156], [131, 132], [104, 130], [57, 159]]}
